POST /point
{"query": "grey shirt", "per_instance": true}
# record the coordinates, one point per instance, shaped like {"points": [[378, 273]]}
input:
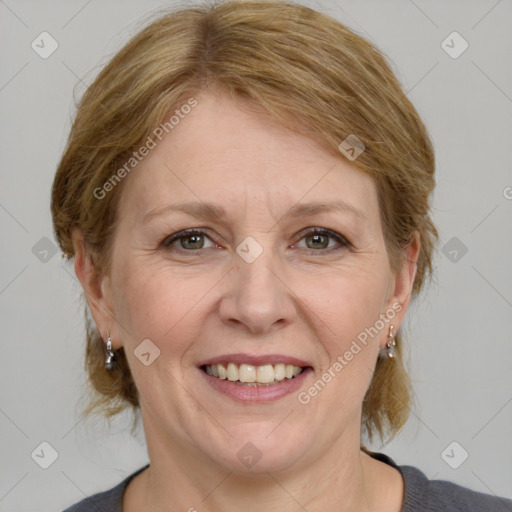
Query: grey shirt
{"points": [[421, 495]]}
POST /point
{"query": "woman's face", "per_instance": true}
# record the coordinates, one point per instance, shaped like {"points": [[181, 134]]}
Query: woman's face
{"points": [[253, 286]]}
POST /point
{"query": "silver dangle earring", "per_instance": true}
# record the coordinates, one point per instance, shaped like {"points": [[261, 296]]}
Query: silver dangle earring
{"points": [[391, 344], [110, 354]]}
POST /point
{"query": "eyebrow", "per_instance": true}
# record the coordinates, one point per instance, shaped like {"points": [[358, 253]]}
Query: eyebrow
{"points": [[211, 211]]}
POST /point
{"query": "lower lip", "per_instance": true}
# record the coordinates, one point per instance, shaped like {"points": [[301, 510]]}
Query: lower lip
{"points": [[242, 393]]}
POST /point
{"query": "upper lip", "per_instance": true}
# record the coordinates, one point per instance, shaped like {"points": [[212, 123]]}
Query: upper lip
{"points": [[255, 360]]}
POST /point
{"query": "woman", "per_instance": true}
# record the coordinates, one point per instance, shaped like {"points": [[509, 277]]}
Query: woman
{"points": [[245, 193]]}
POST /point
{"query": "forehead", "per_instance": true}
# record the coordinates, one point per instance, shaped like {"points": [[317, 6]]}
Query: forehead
{"points": [[231, 153]]}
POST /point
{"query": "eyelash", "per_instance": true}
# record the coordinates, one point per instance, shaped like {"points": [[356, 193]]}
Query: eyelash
{"points": [[344, 243]]}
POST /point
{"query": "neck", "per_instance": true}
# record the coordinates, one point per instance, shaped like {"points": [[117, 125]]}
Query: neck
{"points": [[342, 478]]}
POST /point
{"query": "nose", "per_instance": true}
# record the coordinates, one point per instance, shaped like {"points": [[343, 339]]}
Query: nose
{"points": [[258, 299]]}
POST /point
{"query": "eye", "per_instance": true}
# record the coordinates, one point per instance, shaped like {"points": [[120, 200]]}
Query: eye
{"points": [[189, 240], [316, 239], [320, 238]]}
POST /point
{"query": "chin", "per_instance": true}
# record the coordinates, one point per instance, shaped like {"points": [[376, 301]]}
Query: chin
{"points": [[263, 450]]}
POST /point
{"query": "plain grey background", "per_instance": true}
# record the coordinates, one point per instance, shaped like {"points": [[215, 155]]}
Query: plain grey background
{"points": [[458, 333]]}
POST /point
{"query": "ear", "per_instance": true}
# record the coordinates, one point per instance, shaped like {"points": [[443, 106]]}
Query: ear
{"points": [[401, 286], [97, 288]]}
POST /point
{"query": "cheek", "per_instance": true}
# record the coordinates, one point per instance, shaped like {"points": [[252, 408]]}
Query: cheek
{"points": [[347, 302], [152, 303]]}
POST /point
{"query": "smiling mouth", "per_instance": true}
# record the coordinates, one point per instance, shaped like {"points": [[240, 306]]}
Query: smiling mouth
{"points": [[252, 375]]}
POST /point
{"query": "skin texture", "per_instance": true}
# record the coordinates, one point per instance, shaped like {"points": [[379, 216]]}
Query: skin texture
{"points": [[197, 298]]}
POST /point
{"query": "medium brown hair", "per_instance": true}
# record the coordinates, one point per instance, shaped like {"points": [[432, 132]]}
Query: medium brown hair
{"points": [[306, 70]]}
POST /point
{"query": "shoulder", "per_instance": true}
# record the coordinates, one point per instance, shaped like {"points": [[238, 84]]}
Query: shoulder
{"points": [[422, 494], [106, 501]]}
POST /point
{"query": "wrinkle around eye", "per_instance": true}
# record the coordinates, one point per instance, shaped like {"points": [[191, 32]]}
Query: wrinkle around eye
{"points": [[338, 241]]}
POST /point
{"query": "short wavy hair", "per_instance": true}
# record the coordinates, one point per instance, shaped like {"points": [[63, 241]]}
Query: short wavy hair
{"points": [[309, 72]]}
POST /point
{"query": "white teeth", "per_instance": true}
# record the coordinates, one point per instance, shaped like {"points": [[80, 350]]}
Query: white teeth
{"points": [[265, 374], [223, 374], [279, 372], [232, 372], [248, 373]]}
